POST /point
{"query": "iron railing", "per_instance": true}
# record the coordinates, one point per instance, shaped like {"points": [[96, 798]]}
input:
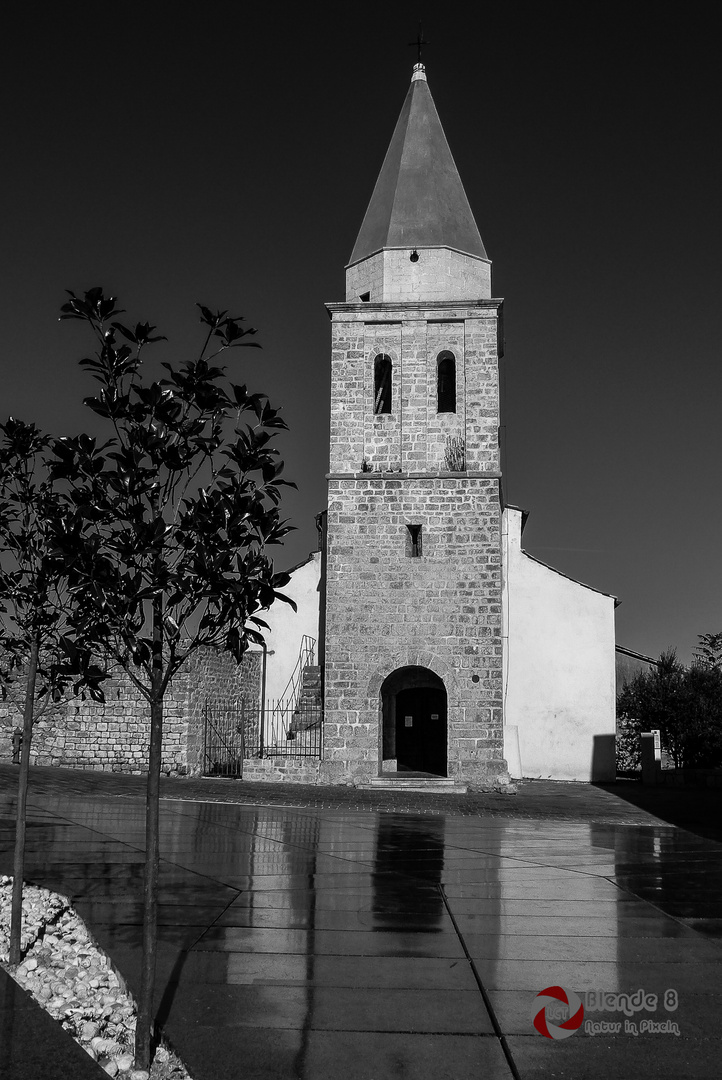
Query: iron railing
{"points": [[234, 734], [287, 732], [225, 727]]}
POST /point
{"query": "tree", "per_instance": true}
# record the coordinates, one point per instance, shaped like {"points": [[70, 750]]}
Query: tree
{"points": [[699, 743], [39, 649], [709, 651], [166, 551], [685, 704]]}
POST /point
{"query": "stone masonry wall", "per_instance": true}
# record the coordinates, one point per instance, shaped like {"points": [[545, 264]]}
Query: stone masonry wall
{"points": [[412, 438], [216, 682], [114, 736]]}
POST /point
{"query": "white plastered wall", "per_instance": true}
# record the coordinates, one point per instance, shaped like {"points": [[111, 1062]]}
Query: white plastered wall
{"points": [[559, 714], [283, 639]]}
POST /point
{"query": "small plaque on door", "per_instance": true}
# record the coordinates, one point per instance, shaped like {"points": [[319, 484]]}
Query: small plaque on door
{"points": [[434, 716], [408, 721]]}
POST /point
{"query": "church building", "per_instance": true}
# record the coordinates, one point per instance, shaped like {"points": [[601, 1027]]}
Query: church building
{"points": [[448, 655]]}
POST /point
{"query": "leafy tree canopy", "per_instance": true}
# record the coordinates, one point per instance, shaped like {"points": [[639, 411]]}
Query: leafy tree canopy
{"points": [[183, 498], [34, 608]]}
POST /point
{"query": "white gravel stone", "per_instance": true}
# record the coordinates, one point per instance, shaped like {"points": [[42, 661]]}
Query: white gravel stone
{"points": [[73, 980]]}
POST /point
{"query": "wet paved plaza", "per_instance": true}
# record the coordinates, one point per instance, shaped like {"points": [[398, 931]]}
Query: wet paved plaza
{"points": [[310, 941]]}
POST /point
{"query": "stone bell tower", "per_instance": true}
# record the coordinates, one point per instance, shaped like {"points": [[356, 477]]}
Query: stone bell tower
{"points": [[413, 656]]}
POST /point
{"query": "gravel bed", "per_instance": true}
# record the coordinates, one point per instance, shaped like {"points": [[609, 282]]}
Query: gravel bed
{"points": [[74, 981]]}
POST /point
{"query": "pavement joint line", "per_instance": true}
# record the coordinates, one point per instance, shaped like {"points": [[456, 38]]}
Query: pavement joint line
{"points": [[482, 990]]}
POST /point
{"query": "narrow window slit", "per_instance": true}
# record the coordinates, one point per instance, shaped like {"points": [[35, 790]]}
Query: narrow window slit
{"points": [[382, 384], [446, 383], [413, 541]]}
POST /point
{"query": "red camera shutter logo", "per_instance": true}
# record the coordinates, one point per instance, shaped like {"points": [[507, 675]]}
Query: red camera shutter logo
{"points": [[557, 995]]}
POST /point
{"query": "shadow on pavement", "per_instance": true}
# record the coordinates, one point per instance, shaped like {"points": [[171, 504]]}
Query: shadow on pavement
{"points": [[699, 810]]}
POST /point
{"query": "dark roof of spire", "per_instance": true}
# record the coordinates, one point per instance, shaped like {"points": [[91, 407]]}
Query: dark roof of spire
{"points": [[419, 200]]}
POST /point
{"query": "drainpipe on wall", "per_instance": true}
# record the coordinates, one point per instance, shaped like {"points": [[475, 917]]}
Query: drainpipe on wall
{"points": [[263, 701], [322, 527]]}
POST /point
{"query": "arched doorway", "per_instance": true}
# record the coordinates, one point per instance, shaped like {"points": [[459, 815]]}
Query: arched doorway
{"points": [[413, 703]]}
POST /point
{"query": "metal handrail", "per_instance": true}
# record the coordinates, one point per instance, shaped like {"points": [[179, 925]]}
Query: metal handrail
{"points": [[289, 697]]}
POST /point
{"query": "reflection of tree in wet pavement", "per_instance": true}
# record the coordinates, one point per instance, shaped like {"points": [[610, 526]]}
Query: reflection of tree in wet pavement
{"points": [[79, 863], [408, 867]]}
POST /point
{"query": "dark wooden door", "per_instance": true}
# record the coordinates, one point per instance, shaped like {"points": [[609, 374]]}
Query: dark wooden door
{"points": [[421, 730]]}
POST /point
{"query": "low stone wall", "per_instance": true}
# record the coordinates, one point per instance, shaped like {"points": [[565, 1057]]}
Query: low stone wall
{"points": [[276, 769], [114, 737], [292, 770]]}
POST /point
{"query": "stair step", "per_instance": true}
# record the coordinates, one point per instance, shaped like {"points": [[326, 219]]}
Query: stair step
{"points": [[439, 786]]}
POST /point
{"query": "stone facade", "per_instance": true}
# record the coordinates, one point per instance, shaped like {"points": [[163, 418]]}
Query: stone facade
{"points": [[412, 437], [114, 737], [391, 606], [284, 769]]}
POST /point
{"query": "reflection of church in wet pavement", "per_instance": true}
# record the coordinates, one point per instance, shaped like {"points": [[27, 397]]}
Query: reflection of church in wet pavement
{"points": [[407, 874]]}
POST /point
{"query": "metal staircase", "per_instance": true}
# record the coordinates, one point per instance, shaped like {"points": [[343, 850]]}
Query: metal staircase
{"points": [[308, 711]]}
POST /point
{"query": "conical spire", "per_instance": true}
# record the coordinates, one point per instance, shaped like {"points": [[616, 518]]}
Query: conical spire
{"points": [[419, 200]]}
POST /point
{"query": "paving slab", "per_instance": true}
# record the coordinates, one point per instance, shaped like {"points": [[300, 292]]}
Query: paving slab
{"points": [[308, 933]]}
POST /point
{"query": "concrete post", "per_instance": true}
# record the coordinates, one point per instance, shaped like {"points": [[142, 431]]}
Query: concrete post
{"points": [[651, 757]]}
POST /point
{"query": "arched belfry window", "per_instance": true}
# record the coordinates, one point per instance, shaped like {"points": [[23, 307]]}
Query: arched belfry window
{"points": [[382, 384], [446, 382]]}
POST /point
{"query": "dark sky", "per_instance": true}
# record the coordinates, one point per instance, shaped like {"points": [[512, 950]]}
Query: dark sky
{"points": [[228, 158]]}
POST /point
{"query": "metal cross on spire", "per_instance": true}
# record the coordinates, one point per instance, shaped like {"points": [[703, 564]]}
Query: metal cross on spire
{"points": [[420, 40]]}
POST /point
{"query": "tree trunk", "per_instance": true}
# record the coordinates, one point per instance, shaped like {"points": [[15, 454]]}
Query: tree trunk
{"points": [[144, 1028], [16, 915]]}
